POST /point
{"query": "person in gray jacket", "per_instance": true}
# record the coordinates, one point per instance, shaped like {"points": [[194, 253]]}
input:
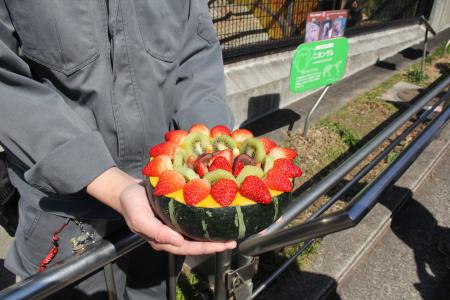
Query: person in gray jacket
{"points": [[86, 89]]}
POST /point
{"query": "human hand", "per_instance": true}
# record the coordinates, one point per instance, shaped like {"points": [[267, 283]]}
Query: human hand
{"points": [[141, 220]]}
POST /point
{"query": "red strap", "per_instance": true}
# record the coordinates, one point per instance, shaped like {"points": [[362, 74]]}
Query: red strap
{"points": [[54, 250]]}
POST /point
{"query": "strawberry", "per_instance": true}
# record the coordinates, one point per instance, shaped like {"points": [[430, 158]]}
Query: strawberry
{"points": [[176, 136], [195, 191], [219, 162], [237, 168], [240, 135], [224, 191], [268, 144], [219, 130], [279, 152], [199, 128], [277, 180], [255, 189], [165, 148], [157, 165], [227, 154], [170, 181], [287, 167], [200, 166]]}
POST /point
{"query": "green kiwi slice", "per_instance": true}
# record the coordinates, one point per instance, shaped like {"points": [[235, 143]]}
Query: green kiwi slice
{"points": [[179, 158], [189, 174], [215, 175], [254, 148], [249, 171], [268, 163], [195, 143], [223, 142]]}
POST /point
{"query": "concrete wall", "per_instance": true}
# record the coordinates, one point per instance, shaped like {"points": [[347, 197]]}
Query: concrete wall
{"points": [[440, 15], [259, 86]]}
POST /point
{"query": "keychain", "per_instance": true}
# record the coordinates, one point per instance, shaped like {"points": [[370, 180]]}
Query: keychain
{"points": [[80, 242]]}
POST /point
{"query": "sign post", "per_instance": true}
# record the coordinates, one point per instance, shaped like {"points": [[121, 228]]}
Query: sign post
{"points": [[318, 64]]}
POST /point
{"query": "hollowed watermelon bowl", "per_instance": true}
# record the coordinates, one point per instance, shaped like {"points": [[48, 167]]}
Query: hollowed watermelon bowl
{"points": [[219, 185], [234, 222]]}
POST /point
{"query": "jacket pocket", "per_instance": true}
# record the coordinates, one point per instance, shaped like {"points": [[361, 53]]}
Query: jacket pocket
{"points": [[205, 27], [57, 34], [161, 25]]}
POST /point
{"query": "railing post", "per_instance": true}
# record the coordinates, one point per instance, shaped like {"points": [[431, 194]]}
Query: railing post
{"points": [[223, 262], [110, 283]]}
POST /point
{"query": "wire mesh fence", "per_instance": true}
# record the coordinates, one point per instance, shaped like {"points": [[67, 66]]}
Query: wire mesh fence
{"points": [[257, 25]]}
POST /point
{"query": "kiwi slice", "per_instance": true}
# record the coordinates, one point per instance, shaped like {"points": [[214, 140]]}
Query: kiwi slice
{"points": [[195, 143], [223, 142], [249, 171], [215, 175], [179, 158], [268, 163], [254, 148], [189, 174]]}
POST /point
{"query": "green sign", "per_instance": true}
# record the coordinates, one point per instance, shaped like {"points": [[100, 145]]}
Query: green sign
{"points": [[317, 64]]}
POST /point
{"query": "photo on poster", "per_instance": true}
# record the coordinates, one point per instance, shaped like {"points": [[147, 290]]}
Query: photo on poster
{"points": [[338, 27], [323, 25], [312, 31], [327, 28]]}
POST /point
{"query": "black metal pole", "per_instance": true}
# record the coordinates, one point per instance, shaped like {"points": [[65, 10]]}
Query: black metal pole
{"points": [[172, 277], [223, 262]]}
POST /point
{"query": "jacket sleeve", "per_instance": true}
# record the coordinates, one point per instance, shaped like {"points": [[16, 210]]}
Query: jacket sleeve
{"points": [[61, 153], [200, 89]]}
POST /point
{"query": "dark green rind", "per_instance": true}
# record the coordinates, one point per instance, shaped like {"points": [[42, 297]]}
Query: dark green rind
{"points": [[218, 224]]}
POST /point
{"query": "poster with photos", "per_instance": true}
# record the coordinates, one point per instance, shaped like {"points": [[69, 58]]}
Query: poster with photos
{"points": [[322, 25]]}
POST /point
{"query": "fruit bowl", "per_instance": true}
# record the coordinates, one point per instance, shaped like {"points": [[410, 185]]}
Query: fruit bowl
{"points": [[217, 223], [218, 185]]}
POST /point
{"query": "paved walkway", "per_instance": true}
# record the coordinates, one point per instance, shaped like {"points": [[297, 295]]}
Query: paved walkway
{"points": [[406, 262]]}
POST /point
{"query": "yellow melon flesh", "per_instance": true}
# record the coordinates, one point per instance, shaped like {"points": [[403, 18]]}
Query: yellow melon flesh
{"points": [[209, 202]]}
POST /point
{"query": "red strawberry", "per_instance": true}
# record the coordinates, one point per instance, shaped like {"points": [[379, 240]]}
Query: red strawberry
{"points": [[195, 191], [176, 136], [219, 162], [287, 167], [165, 148], [224, 191], [199, 128], [219, 130], [268, 144], [279, 152], [277, 180], [200, 166], [170, 181], [255, 189], [227, 154], [157, 165], [240, 135], [237, 168]]}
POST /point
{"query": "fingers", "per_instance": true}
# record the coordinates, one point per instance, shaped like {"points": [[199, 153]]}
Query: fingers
{"points": [[194, 247]]}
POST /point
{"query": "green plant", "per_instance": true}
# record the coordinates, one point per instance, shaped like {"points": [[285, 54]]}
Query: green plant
{"points": [[414, 75], [346, 134]]}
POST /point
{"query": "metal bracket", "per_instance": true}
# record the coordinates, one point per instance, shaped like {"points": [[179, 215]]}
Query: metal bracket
{"points": [[239, 282]]}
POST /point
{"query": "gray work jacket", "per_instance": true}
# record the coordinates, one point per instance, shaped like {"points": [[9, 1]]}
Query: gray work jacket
{"points": [[90, 84]]}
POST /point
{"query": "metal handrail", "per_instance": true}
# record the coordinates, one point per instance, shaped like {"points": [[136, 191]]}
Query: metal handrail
{"points": [[42, 285], [356, 209], [59, 276]]}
